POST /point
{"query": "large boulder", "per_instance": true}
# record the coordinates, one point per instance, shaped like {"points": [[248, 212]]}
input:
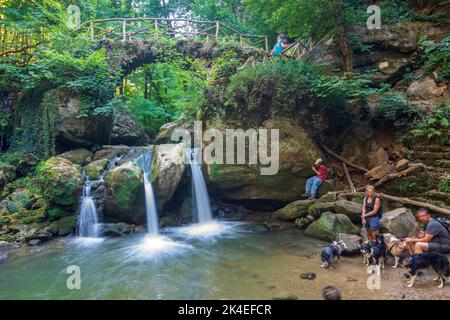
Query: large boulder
{"points": [[297, 153], [78, 156], [19, 199], [350, 209], [318, 208], [126, 131], [166, 130], [60, 181], [330, 225], [294, 210], [124, 199], [352, 242], [168, 167], [426, 89], [399, 222], [77, 126]]}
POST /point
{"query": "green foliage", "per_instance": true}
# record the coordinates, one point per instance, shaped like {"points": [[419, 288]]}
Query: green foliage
{"points": [[432, 127], [285, 85], [437, 56], [395, 110], [444, 185]]}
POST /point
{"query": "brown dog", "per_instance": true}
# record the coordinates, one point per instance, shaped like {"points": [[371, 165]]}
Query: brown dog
{"points": [[395, 247]]}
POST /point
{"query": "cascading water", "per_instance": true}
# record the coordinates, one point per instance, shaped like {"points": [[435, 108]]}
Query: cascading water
{"points": [[144, 162], [199, 190], [88, 226], [88, 219]]}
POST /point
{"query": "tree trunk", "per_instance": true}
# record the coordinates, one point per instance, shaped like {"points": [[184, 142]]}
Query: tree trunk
{"points": [[342, 41]]}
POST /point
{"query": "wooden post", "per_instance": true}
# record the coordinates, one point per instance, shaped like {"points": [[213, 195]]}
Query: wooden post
{"points": [[349, 179], [124, 30], [267, 44], [217, 29], [91, 27], [188, 28], [241, 40], [156, 28]]}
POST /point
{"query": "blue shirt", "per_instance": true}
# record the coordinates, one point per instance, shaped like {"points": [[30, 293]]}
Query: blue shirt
{"points": [[278, 48]]}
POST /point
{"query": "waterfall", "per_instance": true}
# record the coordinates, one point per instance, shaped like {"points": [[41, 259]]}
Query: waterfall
{"points": [[200, 192], [144, 162], [88, 220]]}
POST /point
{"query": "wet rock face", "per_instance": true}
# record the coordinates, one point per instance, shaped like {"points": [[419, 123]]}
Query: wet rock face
{"points": [[126, 131], [74, 130], [297, 153], [124, 194], [168, 166]]}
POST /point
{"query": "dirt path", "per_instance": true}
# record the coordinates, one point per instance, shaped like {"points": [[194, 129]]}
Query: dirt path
{"points": [[351, 278]]}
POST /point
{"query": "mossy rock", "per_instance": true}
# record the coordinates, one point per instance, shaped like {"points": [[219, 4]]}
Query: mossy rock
{"points": [[19, 199], [124, 194], [7, 173], [294, 210], [329, 225], [318, 208], [63, 226], [61, 181], [94, 169], [77, 156]]}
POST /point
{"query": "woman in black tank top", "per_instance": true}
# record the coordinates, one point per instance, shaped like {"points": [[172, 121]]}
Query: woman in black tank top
{"points": [[371, 213]]}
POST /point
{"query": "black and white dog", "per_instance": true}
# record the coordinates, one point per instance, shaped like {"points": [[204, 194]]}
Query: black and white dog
{"points": [[374, 253], [437, 261], [333, 250]]}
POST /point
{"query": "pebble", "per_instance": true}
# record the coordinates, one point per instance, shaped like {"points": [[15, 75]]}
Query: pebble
{"points": [[285, 296], [308, 276]]}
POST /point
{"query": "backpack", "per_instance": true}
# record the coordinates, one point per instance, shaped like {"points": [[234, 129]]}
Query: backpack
{"points": [[445, 223]]}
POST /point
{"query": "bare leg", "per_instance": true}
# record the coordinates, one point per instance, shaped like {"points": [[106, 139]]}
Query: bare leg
{"points": [[421, 247]]}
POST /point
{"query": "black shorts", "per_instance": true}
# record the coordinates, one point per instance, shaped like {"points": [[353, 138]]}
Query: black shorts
{"points": [[438, 247]]}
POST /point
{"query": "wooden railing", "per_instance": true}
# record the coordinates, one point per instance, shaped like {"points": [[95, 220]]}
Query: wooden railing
{"points": [[141, 28], [299, 49]]}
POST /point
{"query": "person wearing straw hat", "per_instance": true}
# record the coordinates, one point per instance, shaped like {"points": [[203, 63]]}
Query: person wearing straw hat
{"points": [[313, 183]]}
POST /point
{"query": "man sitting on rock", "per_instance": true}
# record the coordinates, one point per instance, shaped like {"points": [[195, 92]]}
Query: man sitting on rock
{"points": [[313, 183], [435, 238]]}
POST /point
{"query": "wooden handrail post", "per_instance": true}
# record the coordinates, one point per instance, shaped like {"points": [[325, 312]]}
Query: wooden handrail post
{"points": [[217, 29], [156, 27], [91, 28], [267, 44], [241, 40], [124, 30], [188, 29]]}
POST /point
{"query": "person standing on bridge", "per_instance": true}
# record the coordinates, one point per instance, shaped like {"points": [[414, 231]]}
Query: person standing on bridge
{"points": [[280, 45]]}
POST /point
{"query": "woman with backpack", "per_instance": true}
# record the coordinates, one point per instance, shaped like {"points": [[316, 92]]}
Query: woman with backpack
{"points": [[371, 213]]}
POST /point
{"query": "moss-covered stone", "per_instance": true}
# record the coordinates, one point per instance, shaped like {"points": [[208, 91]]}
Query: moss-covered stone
{"points": [[77, 156], [94, 169], [61, 181], [294, 210], [329, 225], [123, 184], [19, 199], [7, 173], [63, 226]]}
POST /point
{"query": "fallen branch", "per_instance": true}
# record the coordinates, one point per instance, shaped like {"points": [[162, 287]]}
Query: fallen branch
{"points": [[349, 179], [351, 164], [402, 200], [420, 204], [412, 167]]}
